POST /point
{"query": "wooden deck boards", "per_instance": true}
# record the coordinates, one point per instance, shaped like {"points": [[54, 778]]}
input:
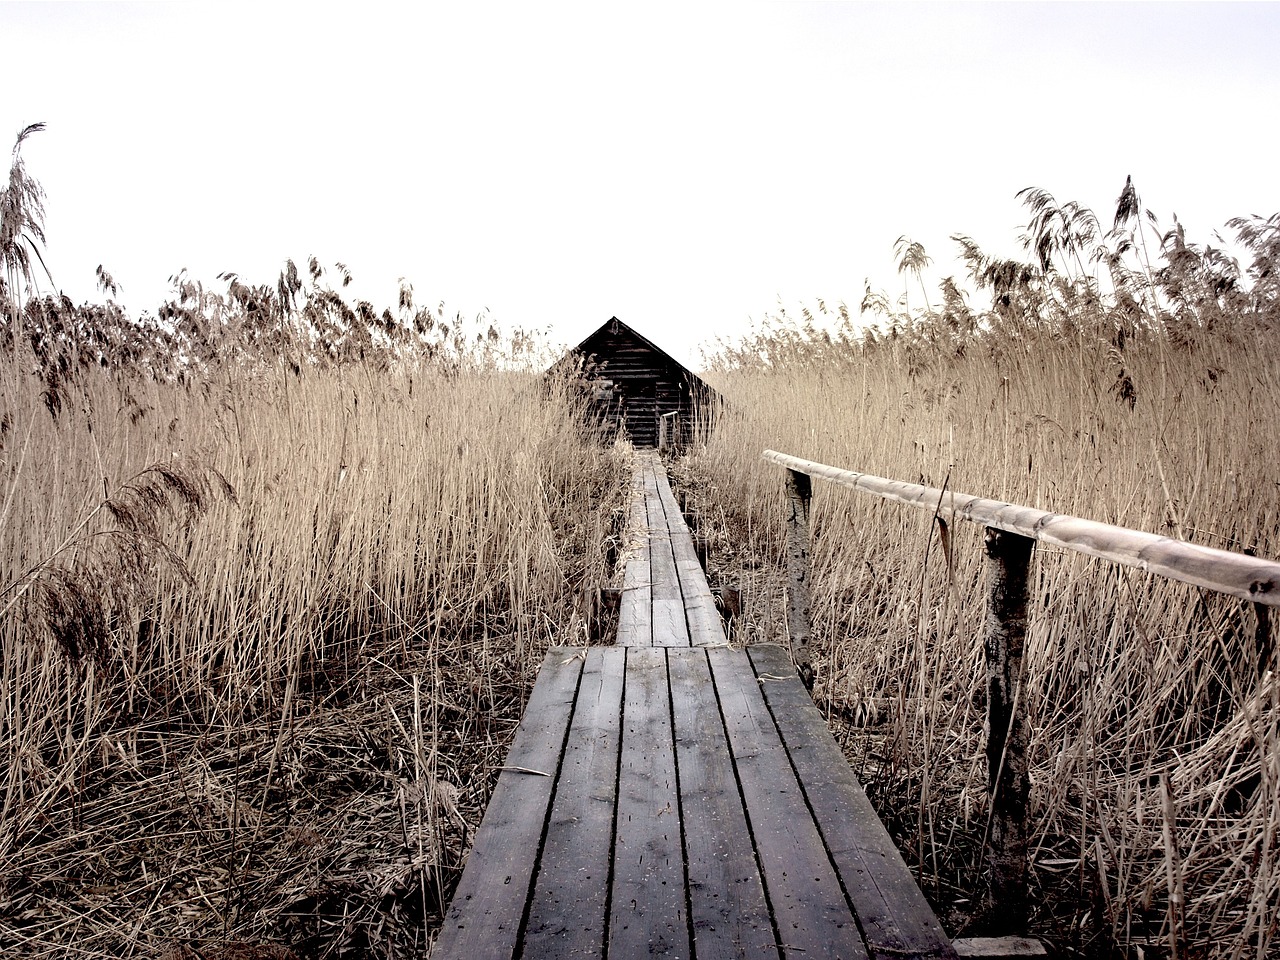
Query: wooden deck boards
{"points": [[729, 914], [635, 613], [695, 811], [647, 913], [672, 797], [513, 823], [666, 601], [893, 913]]}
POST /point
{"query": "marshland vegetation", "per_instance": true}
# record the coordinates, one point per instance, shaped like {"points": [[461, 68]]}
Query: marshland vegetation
{"points": [[277, 569], [1120, 373]]}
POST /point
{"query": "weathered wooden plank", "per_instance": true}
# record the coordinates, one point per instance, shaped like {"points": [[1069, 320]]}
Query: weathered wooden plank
{"points": [[647, 917], [896, 919], [701, 615], [635, 613], [809, 907], [484, 916], [669, 626], [728, 911], [570, 895]]}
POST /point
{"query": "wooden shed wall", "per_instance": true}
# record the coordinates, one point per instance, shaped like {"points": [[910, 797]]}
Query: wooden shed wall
{"points": [[646, 383]]}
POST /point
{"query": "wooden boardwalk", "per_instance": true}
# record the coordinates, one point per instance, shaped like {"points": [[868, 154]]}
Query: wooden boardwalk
{"points": [[673, 797], [666, 601]]}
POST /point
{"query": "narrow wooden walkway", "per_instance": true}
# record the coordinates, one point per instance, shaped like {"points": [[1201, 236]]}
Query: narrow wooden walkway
{"points": [[674, 797], [666, 601]]}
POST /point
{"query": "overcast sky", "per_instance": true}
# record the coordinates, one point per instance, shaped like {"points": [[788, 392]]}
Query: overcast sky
{"points": [[682, 167]]}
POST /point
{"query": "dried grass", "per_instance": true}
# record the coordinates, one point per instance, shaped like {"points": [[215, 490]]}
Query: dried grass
{"points": [[254, 693], [1155, 768]]}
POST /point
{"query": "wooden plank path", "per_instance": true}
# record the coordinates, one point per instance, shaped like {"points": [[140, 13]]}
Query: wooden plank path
{"points": [[666, 601], [673, 797]]}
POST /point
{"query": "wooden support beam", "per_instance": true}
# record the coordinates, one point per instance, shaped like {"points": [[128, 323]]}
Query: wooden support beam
{"points": [[1009, 560], [799, 495], [1263, 642]]}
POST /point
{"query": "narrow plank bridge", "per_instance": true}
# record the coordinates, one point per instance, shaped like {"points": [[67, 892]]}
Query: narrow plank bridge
{"points": [[673, 797]]}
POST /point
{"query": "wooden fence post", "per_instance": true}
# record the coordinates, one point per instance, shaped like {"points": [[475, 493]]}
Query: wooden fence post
{"points": [[1264, 646], [1263, 643], [799, 493], [1008, 784]]}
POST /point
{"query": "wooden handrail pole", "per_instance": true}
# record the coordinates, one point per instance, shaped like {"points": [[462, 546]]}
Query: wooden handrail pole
{"points": [[799, 495], [1263, 643], [1009, 561], [1264, 646]]}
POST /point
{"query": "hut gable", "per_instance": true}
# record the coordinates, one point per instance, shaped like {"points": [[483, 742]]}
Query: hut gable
{"points": [[634, 386]]}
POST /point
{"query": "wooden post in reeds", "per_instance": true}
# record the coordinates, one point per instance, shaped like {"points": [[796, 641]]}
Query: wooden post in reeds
{"points": [[1264, 646], [799, 494], [1263, 643], [1009, 560]]}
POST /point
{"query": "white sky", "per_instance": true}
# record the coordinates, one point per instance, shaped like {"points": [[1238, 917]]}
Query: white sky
{"points": [[682, 167]]}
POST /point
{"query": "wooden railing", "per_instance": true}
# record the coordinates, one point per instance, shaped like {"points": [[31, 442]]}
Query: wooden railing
{"points": [[1010, 534], [668, 430]]}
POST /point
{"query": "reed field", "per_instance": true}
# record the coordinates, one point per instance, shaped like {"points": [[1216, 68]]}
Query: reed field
{"points": [[1156, 729], [266, 636], [277, 570], [276, 573]]}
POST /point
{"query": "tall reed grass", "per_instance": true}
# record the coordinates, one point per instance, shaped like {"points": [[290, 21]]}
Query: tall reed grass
{"points": [[1156, 728], [265, 632]]}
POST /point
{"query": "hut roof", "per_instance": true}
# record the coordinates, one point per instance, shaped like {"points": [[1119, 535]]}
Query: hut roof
{"points": [[600, 343]]}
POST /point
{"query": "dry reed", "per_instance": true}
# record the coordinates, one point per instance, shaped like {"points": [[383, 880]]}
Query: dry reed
{"points": [[264, 643], [1155, 770]]}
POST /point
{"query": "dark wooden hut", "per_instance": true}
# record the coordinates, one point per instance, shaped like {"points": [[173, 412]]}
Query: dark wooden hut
{"points": [[637, 388]]}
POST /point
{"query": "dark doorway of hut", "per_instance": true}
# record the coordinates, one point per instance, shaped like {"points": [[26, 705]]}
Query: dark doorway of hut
{"points": [[642, 416]]}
